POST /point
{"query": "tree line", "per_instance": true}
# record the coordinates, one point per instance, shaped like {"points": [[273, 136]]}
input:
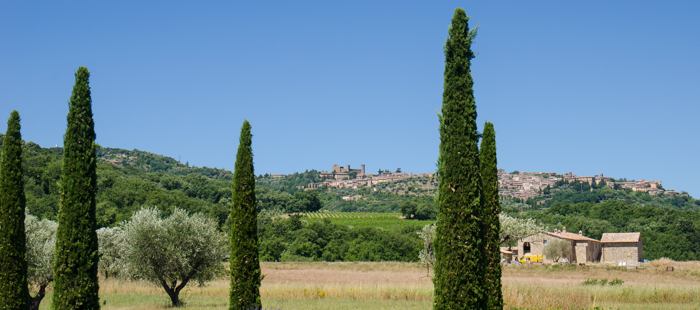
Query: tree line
{"points": [[297, 239]]}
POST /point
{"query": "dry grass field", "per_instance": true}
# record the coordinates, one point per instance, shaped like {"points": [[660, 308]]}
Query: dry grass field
{"points": [[392, 285]]}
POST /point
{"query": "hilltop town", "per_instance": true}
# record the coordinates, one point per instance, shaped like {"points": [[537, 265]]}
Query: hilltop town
{"points": [[525, 185], [521, 185], [346, 177], [516, 184]]}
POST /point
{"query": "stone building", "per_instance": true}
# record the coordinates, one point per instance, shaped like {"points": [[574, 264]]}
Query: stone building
{"points": [[622, 248], [583, 249], [506, 254], [338, 169]]}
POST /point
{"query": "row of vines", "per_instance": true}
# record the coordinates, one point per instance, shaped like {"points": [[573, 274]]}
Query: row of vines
{"points": [[383, 221], [347, 215]]}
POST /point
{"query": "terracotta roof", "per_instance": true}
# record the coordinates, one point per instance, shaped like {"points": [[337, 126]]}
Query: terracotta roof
{"points": [[570, 236], [506, 250], [621, 237]]}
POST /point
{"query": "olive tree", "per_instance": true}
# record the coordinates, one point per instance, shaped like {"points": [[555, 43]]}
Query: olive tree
{"points": [[41, 245], [513, 228], [556, 249], [173, 251], [426, 255], [110, 241]]}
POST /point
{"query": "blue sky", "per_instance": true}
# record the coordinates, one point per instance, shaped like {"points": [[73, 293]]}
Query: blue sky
{"points": [[581, 86]]}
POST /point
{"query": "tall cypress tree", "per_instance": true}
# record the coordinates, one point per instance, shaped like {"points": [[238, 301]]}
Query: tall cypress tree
{"points": [[459, 245], [75, 265], [245, 267], [492, 224], [14, 292]]}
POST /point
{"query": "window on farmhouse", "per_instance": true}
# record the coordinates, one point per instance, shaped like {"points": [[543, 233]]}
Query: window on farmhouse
{"points": [[545, 242]]}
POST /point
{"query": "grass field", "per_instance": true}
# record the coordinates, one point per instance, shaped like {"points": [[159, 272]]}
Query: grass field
{"points": [[392, 285]]}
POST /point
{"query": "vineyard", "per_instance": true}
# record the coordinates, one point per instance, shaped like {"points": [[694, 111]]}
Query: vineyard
{"points": [[347, 215], [384, 221]]}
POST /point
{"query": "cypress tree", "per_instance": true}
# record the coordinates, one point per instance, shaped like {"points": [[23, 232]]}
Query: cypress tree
{"points": [[459, 245], [245, 267], [14, 292], [492, 224], [75, 265]]}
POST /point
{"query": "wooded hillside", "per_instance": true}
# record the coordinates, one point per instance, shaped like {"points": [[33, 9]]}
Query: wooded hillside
{"points": [[670, 225]]}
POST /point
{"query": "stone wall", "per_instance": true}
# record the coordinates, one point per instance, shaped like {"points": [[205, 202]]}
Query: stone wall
{"points": [[536, 244], [628, 252], [587, 252], [581, 252], [594, 251]]}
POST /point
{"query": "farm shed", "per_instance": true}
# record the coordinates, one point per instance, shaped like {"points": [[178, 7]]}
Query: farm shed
{"points": [[622, 248], [583, 249], [507, 254]]}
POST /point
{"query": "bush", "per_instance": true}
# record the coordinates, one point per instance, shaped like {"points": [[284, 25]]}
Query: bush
{"points": [[616, 282], [590, 282], [603, 282]]}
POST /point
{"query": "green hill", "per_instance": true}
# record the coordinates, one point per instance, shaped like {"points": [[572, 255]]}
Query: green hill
{"points": [[151, 180], [128, 180]]}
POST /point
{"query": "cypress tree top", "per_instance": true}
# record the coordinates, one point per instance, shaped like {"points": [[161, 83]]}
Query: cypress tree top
{"points": [[244, 172], [489, 170], [14, 292], [245, 267], [75, 265], [459, 246]]}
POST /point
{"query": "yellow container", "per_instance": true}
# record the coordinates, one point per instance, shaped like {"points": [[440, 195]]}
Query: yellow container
{"points": [[530, 259]]}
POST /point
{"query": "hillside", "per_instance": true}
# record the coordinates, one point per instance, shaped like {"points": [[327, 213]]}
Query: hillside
{"points": [[126, 184], [150, 162], [128, 180], [670, 224], [382, 197]]}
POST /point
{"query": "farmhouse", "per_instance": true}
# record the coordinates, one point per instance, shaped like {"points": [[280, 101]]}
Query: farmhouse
{"points": [[622, 248], [583, 249]]}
